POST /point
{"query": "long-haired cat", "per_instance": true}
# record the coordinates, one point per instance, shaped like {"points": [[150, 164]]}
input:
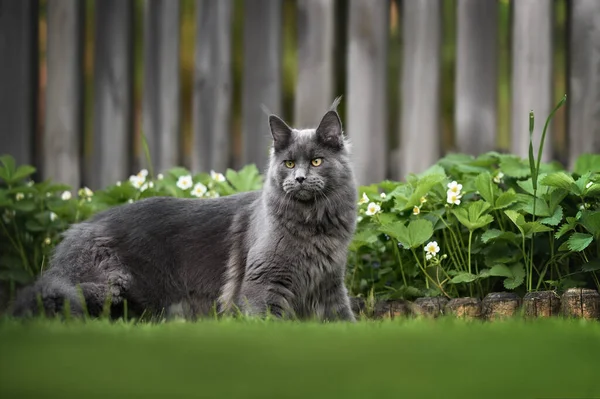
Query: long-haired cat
{"points": [[281, 250]]}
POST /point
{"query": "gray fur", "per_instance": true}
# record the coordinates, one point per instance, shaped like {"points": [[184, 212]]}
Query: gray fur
{"points": [[281, 250]]}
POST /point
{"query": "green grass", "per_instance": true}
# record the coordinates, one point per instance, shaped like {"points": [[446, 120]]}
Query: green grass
{"points": [[253, 359]]}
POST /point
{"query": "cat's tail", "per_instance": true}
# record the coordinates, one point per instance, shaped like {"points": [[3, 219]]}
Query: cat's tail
{"points": [[49, 295]]}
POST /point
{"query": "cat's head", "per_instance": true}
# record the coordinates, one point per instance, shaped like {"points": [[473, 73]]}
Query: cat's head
{"points": [[310, 164]]}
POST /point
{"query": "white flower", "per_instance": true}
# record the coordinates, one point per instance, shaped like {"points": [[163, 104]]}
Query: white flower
{"points": [[372, 209], [185, 182], [498, 178], [144, 187], [19, 196], [119, 183], [199, 190], [423, 200], [431, 249], [359, 219], [47, 241], [454, 187], [364, 199], [160, 176], [30, 183], [130, 201], [137, 181], [66, 195], [143, 173], [383, 195], [416, 210], [86, 192], [53, 216], [453, 198], [218, 177], [589, 184]]}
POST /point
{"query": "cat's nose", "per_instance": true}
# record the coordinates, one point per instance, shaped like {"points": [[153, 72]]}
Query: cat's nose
{"points": [[300, 179]]}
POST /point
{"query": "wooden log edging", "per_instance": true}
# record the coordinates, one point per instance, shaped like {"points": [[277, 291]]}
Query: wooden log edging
{"points": [[575, 303]]}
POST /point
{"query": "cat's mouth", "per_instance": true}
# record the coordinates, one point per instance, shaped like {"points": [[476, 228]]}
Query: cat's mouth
{"points": [[304, 195]]}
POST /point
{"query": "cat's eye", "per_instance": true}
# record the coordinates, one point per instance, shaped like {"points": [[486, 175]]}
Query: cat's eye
{"points": [[316, 162], [290, 164]]}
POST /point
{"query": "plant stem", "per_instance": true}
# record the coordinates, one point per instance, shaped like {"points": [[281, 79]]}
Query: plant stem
{"points": [[428, 277]]}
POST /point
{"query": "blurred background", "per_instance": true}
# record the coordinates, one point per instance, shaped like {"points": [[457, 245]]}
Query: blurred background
{"points": [[81, 80]]}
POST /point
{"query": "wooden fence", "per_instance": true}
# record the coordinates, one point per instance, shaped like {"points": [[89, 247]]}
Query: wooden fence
{"points": [[58, 151]]}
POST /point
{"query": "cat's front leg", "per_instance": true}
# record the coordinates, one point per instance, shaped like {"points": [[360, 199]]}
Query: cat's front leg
{"points": [[265, 299], [337, 305]]}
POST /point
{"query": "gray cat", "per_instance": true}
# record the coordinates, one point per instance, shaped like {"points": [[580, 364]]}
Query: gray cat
{"points": [[280, 250]]}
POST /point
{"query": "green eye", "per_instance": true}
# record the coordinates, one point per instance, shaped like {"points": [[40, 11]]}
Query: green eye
{"points": [[290, 164], [316, 162]]}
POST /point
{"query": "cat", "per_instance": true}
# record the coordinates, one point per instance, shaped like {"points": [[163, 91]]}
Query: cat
{"points": [[281, 250]]}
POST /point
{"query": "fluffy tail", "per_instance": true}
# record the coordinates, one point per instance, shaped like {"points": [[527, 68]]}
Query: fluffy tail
{"points": [[50, 295]]}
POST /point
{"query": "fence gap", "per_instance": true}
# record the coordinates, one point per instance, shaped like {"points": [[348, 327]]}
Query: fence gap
{"points": [[63, 127], [18, 78], [161, 92], [531, 82], [584, 80], [476, 75], [366, 115], [261, 76], [213, 86], [420, 133], [113, 92]]}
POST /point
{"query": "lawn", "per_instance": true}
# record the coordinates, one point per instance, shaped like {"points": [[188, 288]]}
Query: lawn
{"points": [[260, 359]]}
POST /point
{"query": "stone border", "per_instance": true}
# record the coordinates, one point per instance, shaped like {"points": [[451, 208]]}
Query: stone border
{"points": [[580, 303]]}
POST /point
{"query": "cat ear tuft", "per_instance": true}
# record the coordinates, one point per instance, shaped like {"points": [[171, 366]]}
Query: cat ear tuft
{"points": [[329, 132], [281, 132]]}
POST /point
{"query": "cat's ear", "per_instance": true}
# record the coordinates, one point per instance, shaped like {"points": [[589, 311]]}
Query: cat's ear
{"points": [[281, 132], [329, 132]]}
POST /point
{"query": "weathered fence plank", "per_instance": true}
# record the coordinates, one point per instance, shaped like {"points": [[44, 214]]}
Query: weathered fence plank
{"points": [[476, 75], [64, 93], [212, 95], [531, 73], [315, 61], [366, 84], [262, 75], [113, 61], [161, 113], [18, 78], [420, 85], [584, 80]]}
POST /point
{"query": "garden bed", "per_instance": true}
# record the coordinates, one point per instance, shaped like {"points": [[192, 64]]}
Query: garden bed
{"points": [[575, 303]]}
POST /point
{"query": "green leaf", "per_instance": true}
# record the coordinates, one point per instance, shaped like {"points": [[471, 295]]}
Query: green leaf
{"points": [[8, 167], [526, 205], [518, 277], [591, 266], [247, 179], [474, 216], [555, 219], [515, 217], [500, 271], [559, 180], [505, 199], [22, 172], [566, 227], [591, 222], [483, 183], [413, 236], [579, 241], [495, 234], [363, 238], [587, 163], [514, 167], [463, 277], [24, 205]]}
